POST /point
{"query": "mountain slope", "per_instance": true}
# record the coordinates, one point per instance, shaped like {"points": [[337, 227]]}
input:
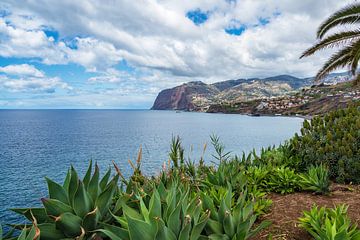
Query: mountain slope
{"points": [[198, 96]]}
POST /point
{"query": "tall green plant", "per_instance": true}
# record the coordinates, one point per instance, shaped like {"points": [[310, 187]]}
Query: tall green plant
{"points": [[329, 224], [76, 208], [232, 219], [169, 214], [316, 179]]}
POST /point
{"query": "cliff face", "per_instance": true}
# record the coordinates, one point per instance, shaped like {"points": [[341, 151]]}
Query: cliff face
{"points": [[198, 96], [181, 97]]}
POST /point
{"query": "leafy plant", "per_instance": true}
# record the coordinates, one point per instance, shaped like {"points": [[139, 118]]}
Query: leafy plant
{"points": [[283, 180], [219, 147], [179, 216], [76, 208], [329, 224], [332, 140], [316, 180], [231, 219]]}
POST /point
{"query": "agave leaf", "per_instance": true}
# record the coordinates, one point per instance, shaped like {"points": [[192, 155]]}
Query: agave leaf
{"points": [[139, 229], [155, 204], [198, 228], [214, 227], [34, 233], [91, 219], [185, 231], [87, 176], [22, 235], [223, 208], [81, 203], [69, 224], [48, 231], [118, 231], [144, 211], [73, 184], [104, 199], [111, 235], [208, 204], [173, 221], [39, 214], [67, 181], [131, 212], [229, 225], [105, 179], [164, 232], [93, 187], [55, 207], [56, 191]]}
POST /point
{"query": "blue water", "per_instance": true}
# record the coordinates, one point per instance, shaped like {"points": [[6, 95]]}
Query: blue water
{"points": [[39, 143]]}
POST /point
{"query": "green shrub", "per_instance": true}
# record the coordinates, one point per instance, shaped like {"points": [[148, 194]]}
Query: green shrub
{"points": [[329, 224], [283, 180], [232, 219], [169, 214], [316, 180], [332, 140], [76, 208]]}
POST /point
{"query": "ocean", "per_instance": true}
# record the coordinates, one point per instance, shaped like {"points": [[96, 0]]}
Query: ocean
{"points": [[39, 143]]}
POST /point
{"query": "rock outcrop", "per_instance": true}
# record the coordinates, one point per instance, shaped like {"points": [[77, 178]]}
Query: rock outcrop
{"points": [[199, 96]]}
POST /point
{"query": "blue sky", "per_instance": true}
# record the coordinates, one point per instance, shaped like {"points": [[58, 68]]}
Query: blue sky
{"points": [[88, 54]]}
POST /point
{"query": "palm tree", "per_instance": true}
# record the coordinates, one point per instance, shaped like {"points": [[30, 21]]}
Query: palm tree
{"points": [[349, 54]]}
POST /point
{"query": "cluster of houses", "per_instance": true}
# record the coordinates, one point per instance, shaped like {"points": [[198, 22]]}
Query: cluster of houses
{"points": [[284, 102]]}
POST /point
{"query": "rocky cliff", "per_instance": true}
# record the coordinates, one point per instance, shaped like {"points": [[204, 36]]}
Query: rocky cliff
{"points": [[199, 96]]}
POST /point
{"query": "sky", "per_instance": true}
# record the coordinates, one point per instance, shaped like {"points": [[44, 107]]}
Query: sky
{"points": [[121, 53]]}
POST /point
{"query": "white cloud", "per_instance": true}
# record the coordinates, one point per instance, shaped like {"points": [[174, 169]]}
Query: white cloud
{"points": [[47, 85], [157, 37], [22, 70]]}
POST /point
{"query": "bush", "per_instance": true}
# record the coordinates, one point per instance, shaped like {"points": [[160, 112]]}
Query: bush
{"points": [[316, 180], [283, 180], [332, 140], [329, 224]]}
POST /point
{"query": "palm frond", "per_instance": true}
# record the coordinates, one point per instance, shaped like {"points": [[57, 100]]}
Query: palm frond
{"points": [[336, 61], [346, 15], [333, 41], [356, 57]]}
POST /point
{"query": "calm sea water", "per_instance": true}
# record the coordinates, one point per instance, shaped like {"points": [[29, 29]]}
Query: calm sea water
{"points": [[39, 143]]}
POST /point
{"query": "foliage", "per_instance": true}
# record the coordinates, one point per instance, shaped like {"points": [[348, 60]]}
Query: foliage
{"points": [[283, 180], [349, 55], [329, 224], [231, 219], [28, 233], [76, 208], [334, 141], [316, 180], [169, 214], [187, 200]]}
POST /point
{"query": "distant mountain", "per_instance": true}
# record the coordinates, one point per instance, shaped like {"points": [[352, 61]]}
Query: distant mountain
{"points": [[198, 95]]}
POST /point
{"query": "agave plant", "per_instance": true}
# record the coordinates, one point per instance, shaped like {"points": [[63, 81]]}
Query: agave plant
{"points": [[329, 224], [168, 215], [76, 208], [316, 180], [231, 220], [28, 233], [283, 180], [349, 55]]}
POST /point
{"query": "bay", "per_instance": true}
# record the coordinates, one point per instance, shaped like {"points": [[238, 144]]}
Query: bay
{"points": [[39, 143]]}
